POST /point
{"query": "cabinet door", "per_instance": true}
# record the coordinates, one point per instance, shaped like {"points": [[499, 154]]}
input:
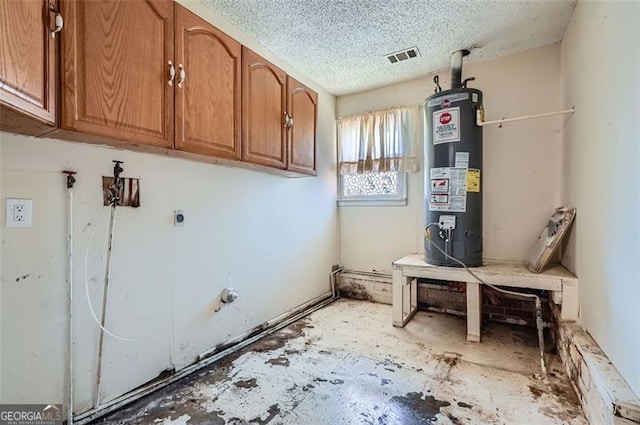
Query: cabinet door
{"points": [[27, 66], [303, 109], [208, 102], [115, 71], [264, 98]]}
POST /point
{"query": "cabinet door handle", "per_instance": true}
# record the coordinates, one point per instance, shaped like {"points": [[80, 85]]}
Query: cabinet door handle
{"points": [[172, 73], [59, 22], [288, 121], [182, 75]]}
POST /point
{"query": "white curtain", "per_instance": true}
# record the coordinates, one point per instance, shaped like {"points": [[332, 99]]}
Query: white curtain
{"points": [[379, 141]]}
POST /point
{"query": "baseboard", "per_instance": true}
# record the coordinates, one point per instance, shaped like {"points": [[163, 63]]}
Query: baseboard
{"points": [[605, 396], [367, 286], [207, 358]]}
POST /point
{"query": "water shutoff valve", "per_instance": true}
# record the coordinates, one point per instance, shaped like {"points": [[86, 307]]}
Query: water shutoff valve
{"points": [[229, 295]]}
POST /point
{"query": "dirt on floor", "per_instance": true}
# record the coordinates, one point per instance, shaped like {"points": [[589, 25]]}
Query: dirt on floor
{"points": [[346, 364]]}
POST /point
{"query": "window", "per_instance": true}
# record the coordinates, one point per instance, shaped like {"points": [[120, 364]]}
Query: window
{"points": [[375, 186], [376, 151]]}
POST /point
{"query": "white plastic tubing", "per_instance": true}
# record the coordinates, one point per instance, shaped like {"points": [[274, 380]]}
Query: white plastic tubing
{"points": [[538, 304], [101, 322]]}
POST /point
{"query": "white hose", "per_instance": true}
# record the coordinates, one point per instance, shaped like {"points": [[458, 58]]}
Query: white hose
{"points": [[539, 322], [470, 271], [86, 284]]}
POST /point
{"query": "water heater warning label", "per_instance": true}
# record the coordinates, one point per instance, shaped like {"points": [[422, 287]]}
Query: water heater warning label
{"points": [[473, 180], [439, 185], [448, 189], [446, 126]]}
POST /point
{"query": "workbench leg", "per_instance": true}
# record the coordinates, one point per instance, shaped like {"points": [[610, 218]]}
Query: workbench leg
{"points": [[474, 311], [413, 296], [404, 299]]}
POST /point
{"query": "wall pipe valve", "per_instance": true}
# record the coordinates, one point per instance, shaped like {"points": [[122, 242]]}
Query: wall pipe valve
{"points": [[228, 295]]}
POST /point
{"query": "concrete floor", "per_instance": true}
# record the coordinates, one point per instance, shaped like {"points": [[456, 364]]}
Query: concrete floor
{"points": [[346, 364]]}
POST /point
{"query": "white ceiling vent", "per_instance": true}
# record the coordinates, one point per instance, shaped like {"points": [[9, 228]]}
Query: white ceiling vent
{"points": [[403, 55]]}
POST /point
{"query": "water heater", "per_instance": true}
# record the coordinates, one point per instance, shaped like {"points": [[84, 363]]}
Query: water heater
{"points": [[453, 179]]}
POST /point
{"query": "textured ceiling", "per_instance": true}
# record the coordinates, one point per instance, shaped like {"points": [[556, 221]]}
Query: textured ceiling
{"points": [[341, 44]]}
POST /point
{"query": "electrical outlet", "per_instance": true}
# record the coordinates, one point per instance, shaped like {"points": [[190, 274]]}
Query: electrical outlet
{"points": [[18, 212]]}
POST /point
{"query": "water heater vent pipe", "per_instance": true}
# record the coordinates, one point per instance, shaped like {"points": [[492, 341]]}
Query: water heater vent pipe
{"points": [[456, 68]]}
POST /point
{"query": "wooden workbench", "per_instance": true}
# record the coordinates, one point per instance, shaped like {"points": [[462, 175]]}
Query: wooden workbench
{"points": [[562, 285]]}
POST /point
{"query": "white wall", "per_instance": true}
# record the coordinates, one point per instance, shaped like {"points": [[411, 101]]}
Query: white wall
{"points": [[521, 166], [272, 238], [601, 77]]}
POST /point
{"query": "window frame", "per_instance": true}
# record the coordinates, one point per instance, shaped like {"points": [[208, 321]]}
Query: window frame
{"points": [[399, 199], [399, 144]]}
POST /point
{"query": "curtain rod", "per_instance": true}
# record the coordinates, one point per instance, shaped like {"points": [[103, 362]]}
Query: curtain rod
{"points": [[378, 110]]}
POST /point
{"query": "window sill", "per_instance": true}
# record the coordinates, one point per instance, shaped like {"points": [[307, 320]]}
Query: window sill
{"points": [[372, 202]]}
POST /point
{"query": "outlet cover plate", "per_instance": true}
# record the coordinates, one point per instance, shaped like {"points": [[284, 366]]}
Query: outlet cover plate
{"points": [[18, 212]]}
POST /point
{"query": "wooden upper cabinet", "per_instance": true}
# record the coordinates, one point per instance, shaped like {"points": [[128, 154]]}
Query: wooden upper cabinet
{"points": [[264, 99], [303, 109], [149, 74], [208, 102], [27, 66], [115, 70]]}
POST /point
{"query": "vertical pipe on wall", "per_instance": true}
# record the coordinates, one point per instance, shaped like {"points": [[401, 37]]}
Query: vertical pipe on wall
{"points": [[70, 182], [332, 279], [104, 304]]}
